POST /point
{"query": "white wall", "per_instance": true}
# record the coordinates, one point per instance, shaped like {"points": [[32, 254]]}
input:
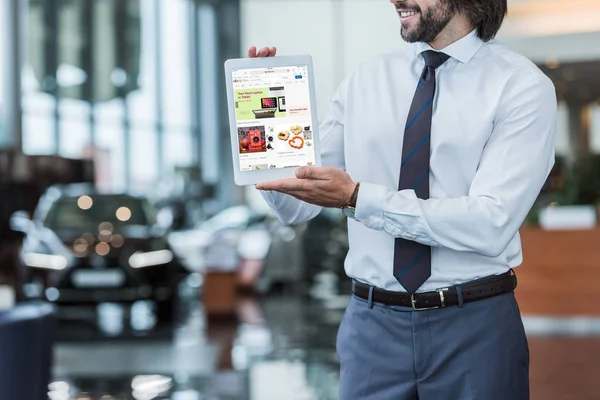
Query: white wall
{"points": [[339, 34]]}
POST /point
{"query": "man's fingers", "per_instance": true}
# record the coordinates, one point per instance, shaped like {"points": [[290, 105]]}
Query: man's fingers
{"points": [[253, 52], [283, 185], [316, 173], [304, 173]]}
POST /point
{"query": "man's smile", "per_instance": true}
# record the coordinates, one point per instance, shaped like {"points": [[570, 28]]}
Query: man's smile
{"points": [[407, 15]]}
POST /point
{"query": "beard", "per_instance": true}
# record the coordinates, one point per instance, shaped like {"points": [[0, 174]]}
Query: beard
{"points": [[431, 23]]}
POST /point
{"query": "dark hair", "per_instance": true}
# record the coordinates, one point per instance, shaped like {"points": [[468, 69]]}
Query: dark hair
{"points": [[486, 15]]}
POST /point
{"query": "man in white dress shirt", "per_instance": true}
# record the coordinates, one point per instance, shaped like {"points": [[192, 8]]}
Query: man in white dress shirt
{"points": [[436, 153]]}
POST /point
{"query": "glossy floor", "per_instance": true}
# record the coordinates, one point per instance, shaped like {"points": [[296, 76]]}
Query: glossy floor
{"points": [[280, 348]]}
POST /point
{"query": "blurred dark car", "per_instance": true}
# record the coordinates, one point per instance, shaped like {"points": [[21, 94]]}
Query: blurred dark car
{"points": [[84, 248]]}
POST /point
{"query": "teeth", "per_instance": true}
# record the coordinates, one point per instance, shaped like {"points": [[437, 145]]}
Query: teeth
{"points": [[405, 14]]}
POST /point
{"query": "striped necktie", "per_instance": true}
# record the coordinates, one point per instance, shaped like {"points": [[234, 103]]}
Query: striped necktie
{"points": [[412, 260]]}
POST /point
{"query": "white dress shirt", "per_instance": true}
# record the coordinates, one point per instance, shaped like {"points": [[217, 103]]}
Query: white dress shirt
{"points": [[492, 148]]}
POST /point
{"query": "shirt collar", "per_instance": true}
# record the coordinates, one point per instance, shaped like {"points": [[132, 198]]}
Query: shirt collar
{"points": [[462, 50]]}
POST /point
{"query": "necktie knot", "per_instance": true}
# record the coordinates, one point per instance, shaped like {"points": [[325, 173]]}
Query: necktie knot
{"points": [[434, 59]]}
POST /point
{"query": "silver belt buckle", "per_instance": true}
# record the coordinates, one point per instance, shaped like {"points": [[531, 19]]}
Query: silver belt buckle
{"points": [[442, 301]]}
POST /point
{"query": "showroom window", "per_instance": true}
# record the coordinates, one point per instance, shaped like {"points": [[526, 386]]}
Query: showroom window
{"points": [[122, 81]]}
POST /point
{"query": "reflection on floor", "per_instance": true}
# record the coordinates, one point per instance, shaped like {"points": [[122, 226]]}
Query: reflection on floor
{"points": [[281, 347]]}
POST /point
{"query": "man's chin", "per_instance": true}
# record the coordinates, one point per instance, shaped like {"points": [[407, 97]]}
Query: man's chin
{"points": [[408, 36]]}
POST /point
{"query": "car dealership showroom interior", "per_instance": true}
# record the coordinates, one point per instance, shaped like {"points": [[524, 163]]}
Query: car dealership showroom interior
{"points": [[133, 264]]}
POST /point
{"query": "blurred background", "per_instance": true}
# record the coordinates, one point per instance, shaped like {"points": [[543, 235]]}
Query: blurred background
{"points": [[132, 267]]}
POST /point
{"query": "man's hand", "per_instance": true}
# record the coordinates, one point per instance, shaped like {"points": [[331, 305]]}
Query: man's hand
{"points": [[265, 52], [322, 186]]}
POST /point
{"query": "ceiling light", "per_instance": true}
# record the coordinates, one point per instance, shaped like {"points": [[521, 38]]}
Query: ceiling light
{"points": [[123, 214], [85, 202], [48, 261], [141, 260]]}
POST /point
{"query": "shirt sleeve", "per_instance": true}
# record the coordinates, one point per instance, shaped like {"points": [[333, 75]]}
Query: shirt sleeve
{"points": [[514, 166], [290, 210]]}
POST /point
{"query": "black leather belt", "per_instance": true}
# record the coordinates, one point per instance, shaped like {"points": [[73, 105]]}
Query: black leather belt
{"points": [[471, 291]]}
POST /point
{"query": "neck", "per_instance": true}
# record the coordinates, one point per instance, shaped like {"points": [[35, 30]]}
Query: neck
{"points": [[457, 28]]}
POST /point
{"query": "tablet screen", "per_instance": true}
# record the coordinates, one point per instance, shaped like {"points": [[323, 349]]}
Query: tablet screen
{"points": [[273, 117]]}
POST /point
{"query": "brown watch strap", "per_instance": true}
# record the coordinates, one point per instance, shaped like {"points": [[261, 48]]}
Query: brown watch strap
{"points": [[354, 198]]}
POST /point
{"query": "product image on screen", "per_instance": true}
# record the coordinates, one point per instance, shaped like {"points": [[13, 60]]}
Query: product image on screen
{"points": [[269, 102], [256, 143], [274, 101], [252, 140], [282, 104]]}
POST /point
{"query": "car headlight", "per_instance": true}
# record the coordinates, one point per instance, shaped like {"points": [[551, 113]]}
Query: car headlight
{"points": [[47, 261], [142, 260]]}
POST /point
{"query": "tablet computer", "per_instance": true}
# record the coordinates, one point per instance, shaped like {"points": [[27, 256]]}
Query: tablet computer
{"points": [[272, 117]]}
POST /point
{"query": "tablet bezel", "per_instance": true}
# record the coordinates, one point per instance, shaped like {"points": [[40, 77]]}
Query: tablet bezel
{"points": [[244, 178]]}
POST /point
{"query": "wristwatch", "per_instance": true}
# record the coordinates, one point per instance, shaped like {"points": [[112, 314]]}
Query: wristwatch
{"points": [[350, 209]]}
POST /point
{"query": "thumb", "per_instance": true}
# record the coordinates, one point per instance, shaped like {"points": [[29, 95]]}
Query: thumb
{"points": [[304, 173]]}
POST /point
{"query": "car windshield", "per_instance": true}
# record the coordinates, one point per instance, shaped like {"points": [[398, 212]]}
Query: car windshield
{"points": [[87, 211]]}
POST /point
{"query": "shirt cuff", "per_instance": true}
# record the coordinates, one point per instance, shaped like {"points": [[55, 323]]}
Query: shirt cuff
{"points": [[274, 199], [369, 206], [269, 197]]}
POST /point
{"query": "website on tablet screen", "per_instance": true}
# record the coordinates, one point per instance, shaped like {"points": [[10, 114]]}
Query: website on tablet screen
{"points": [[273, 117]]}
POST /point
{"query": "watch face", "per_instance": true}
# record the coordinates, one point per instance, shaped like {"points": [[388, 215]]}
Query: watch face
{"points": [[349, 212]]}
